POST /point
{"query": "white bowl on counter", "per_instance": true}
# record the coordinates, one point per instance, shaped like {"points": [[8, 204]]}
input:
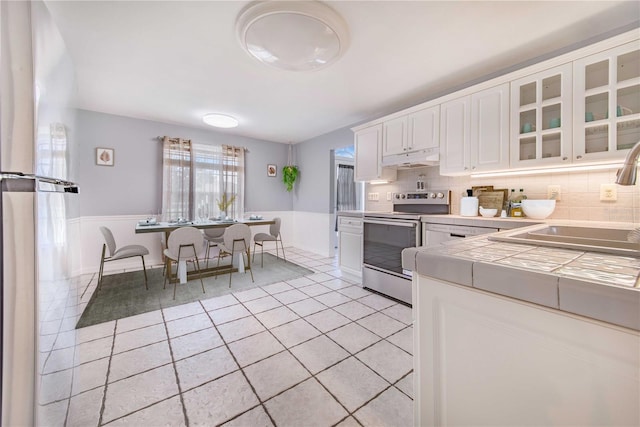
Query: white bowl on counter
{"points": [[488, 213], [538, 209]]}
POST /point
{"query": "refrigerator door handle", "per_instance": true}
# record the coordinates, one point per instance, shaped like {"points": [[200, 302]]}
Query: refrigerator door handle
{"points": [[22, 182]]}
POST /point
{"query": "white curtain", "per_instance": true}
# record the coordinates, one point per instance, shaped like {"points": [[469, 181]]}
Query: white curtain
{"points": [[198, 178], [176, 179], [219, 176]]}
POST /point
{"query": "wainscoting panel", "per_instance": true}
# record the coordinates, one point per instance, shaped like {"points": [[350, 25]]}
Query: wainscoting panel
{"points": [[312, 232]]}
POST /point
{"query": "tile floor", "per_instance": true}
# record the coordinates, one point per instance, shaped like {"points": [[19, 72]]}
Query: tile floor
{"points": [[316, 350]]}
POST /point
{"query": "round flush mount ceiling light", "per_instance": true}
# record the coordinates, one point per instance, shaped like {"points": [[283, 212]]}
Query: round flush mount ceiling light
{"points": [[220, 120], [292, 35]]}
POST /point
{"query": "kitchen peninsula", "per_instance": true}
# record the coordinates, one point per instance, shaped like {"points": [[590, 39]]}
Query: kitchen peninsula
{"points": [[506, 334]]}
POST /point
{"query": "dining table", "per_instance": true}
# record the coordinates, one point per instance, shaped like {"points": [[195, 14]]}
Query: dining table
{"points": [[166, 227]]}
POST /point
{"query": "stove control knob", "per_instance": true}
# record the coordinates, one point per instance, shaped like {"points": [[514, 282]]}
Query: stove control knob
{"points": [[403, 196], [432, 195], [397, 195], [440, 196]]}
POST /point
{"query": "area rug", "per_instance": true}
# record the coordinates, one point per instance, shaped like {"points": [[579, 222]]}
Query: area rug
{"points": [[123, 295]]}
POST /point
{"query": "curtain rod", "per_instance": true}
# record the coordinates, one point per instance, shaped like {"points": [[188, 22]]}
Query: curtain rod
{"points": [[161, 138]]}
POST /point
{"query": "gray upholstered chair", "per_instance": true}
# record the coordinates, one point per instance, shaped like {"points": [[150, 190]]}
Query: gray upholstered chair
{"points": [[115, 254], [237, 240], [273, 236], [184, 244], [213, 237]]}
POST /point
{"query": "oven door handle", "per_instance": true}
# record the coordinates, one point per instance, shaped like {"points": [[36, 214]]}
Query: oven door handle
{"points": [[410, 224]]}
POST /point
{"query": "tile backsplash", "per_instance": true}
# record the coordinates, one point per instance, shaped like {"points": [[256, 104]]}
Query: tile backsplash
{"points": [[580, 192]]}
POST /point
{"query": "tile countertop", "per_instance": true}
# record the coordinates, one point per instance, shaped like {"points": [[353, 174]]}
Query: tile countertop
{"points": [[357, 214], [592, 284], [479, 221]]}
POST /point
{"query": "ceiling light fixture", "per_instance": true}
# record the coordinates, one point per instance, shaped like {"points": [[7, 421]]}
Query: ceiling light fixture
{"points": [[292, 35], [220, 120]]}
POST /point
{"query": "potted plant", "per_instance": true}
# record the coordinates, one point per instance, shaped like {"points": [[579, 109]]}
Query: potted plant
{"points": [[224, 202], [289, 176]]}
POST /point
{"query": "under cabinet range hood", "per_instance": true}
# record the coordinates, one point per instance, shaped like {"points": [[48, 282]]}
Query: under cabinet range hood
{"points": [[426, 157]]}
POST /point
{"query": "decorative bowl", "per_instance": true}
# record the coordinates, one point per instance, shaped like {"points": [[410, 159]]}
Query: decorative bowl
{"points": [[488, 213], [538, 209]]}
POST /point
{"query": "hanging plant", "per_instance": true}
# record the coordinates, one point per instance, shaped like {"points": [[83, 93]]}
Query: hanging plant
{"points": [[289, 175]]}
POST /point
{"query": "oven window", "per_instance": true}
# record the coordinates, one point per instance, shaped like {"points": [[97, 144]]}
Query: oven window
{"points": [[383, 245]]}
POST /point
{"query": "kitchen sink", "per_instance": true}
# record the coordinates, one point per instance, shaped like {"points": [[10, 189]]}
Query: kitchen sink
{"points": [[608, 240]]}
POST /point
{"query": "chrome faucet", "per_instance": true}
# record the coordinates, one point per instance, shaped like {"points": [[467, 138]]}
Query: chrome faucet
{"points": [[627, 174]]}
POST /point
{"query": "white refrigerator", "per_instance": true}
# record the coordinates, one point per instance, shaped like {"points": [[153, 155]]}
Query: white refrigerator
{"points": [[33, 206]]}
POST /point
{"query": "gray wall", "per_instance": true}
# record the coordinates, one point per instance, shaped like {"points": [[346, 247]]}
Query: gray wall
{"points": [[314, 191], [133, 185]]}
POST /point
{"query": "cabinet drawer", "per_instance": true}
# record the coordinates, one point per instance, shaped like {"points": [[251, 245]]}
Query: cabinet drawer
{"points": [[354, 225]]}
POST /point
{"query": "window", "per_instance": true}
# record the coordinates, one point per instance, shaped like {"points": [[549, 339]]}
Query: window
{"points": [[199, 178]]}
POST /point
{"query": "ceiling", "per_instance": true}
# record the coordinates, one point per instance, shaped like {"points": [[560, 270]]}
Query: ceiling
{"points": [[173, 62]]}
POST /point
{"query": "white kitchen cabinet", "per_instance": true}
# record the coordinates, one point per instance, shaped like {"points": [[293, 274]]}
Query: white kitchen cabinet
{"points": [[424, 129], [580, 107], [607, 104], [474, 132], [489, 139], [394, 137], [350, 245], [368, 156], [483, 359], [413, 132], [541, 125], [455, 124]]}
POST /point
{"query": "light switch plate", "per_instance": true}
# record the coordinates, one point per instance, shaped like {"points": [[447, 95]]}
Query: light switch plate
{"points": [[388, 196], [374, 197], [608, 192], [554, 192]]}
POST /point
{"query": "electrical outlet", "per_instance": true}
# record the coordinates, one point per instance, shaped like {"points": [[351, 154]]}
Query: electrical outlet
{"points": [[388, 196], [554, 192], [608, 192]]}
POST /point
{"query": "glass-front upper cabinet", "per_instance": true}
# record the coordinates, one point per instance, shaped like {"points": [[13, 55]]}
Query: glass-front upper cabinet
{"points": [[541, 123], [607, 103]]}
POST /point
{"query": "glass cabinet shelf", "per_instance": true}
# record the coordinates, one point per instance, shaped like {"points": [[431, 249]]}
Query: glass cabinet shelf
{"points": [[541, 118], [607, 102]]}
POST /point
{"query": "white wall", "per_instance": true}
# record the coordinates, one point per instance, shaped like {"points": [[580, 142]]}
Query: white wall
{"points": [[580, 198]]}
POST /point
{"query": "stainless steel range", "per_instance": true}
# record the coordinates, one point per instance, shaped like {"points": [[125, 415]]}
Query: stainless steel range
{"points": [[386, 234]]}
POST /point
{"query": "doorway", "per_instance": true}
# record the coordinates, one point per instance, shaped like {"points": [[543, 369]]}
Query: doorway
{"points": [[347, 194]]}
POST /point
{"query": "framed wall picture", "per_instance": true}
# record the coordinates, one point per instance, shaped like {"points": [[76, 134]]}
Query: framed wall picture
{"points": [[272, 170], [104, 156]]}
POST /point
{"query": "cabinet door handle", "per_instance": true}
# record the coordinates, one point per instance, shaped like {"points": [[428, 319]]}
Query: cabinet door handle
{"points": [[473, 168], [466, 168], [565, 158], [578, 157]]}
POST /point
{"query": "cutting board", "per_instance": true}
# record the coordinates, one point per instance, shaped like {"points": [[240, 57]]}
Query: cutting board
{"points": [[491, 200]]}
